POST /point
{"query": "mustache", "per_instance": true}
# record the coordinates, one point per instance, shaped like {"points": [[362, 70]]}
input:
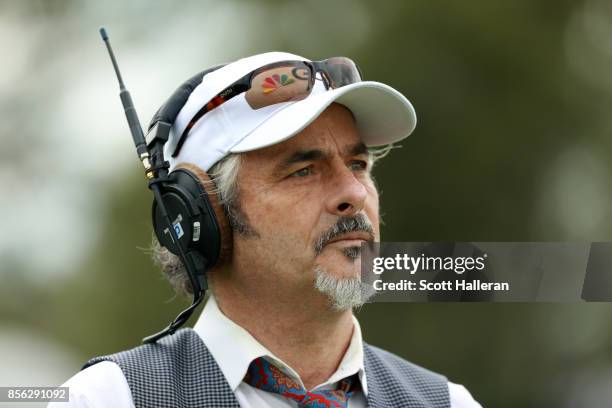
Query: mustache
{"points": [[344, 225]]}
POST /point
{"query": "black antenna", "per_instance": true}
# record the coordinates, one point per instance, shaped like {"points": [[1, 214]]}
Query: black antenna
{"points": [[155, 178], [128, 108]]}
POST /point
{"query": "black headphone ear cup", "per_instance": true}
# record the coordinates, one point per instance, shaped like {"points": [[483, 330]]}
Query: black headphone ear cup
{"points": [[225, 231]]}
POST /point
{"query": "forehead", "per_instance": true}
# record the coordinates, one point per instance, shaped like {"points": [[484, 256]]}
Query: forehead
{"points": [[333, 130]]}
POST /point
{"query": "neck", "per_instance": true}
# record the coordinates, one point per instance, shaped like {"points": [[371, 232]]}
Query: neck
{"points": [[311, 340]]}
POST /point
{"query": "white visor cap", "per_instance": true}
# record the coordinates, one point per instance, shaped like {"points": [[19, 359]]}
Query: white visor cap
{"points": [[383, 115]]}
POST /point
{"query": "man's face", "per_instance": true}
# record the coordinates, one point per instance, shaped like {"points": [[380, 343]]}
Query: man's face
{"points": [[293, 194]]}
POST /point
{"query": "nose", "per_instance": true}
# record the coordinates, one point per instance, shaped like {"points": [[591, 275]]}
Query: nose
{"points": [[348, 193]]}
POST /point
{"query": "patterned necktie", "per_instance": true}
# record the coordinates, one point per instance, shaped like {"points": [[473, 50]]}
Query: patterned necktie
{"points": [[263, 375]]}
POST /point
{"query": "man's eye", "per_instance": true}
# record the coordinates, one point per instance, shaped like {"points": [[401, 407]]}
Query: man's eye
{"points": [[306, 171], [358, 165]]}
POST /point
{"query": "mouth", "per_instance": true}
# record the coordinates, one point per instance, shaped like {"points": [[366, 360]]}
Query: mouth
{"points": [[351, 239]]}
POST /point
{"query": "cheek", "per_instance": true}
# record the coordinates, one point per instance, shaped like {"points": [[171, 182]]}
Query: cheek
{"points": [[281, 220], [372, 209], [281, 246]]}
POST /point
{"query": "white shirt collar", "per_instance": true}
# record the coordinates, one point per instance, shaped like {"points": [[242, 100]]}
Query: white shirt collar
{"points": [[234, 348]]}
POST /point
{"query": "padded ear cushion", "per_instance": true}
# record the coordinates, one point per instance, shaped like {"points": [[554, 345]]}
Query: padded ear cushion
{"points": [[225, 230]]}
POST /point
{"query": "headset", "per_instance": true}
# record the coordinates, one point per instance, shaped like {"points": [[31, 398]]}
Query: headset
{"points": [[187, 217]]}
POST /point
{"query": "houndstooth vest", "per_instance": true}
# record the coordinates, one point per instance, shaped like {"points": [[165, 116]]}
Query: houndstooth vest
{"points": [[179, 371]]}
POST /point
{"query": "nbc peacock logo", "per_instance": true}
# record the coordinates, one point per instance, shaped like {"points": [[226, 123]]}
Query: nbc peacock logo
{"points": [[272, 83]]}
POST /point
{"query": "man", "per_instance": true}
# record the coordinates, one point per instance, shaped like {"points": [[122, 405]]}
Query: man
{"points": [[290, 155]]}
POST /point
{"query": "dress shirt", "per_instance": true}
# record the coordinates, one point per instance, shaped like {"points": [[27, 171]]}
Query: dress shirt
{"points": [[233, 348]]}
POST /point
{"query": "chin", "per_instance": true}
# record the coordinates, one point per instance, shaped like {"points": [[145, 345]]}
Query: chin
{"points": [[341, 262], [344, 268]]}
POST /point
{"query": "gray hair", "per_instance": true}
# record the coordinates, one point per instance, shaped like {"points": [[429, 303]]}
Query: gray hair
{"points": [[224, 177]]}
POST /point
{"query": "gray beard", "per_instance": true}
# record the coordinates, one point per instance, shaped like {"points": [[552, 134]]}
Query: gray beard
{"points": [[343, 294]]}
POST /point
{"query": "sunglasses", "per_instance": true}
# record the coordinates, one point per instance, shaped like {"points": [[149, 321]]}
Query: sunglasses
{"points": [[280, 82]]}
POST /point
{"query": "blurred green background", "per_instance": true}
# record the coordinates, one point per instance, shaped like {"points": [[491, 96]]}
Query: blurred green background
{"points": [[513, 144]]}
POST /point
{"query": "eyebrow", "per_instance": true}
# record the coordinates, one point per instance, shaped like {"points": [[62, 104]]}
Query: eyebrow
{"points": [[303, 156], [358, 149], [314, 154]]}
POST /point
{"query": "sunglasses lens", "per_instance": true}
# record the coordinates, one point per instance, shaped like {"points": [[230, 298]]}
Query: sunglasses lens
{"points": [[279, 84], [341, 71]]}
